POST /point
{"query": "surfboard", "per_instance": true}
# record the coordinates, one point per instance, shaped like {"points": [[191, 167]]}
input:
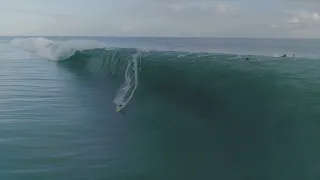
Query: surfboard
{"points": [[118, 109]]}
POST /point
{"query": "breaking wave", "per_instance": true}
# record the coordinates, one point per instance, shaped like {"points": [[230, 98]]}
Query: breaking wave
{"points": [[192, 76]]}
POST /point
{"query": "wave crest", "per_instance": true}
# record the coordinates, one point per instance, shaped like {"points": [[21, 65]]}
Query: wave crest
{"points": [[53, 50]]}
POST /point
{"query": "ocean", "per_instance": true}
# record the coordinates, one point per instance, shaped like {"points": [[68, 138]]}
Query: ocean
{"points": [[194, 108]]}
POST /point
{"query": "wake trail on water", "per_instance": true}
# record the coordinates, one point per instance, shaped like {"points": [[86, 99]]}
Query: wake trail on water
{"points": [[131, 82]]}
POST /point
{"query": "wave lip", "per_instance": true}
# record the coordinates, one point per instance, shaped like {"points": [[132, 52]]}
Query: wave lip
{"points": [[53, 50]]}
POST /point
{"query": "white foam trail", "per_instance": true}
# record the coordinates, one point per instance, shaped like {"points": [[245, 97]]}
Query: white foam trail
{"points": [[53, 50], [234, 58], [125, 93], [276, 55]]}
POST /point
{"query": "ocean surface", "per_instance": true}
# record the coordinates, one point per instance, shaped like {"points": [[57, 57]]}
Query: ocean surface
{"points": [[194, 108]]}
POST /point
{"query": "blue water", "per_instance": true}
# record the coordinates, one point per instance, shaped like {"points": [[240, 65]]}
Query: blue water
{"points": [[200, 110]]}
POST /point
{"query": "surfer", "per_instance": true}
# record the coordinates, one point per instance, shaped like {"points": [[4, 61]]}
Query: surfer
{"points": [[294, 55], [119, 108], [247, 59], [285, 55]]}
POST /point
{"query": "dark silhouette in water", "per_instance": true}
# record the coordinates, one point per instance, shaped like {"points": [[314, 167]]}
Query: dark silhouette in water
{"points": [[285, 55], [294, 55], [249, 58]]}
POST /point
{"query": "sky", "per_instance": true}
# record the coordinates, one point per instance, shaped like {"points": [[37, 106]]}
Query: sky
{"points": [[195, 18]]}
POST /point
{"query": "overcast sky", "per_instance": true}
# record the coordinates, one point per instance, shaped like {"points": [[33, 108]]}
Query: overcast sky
{"points": [[224, 18]]}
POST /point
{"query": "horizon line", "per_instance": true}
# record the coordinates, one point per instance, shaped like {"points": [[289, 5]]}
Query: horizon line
{"points": [[200, 37]]}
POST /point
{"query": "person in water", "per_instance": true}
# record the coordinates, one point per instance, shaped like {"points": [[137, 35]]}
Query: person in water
{"points": [[285, 55]]}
